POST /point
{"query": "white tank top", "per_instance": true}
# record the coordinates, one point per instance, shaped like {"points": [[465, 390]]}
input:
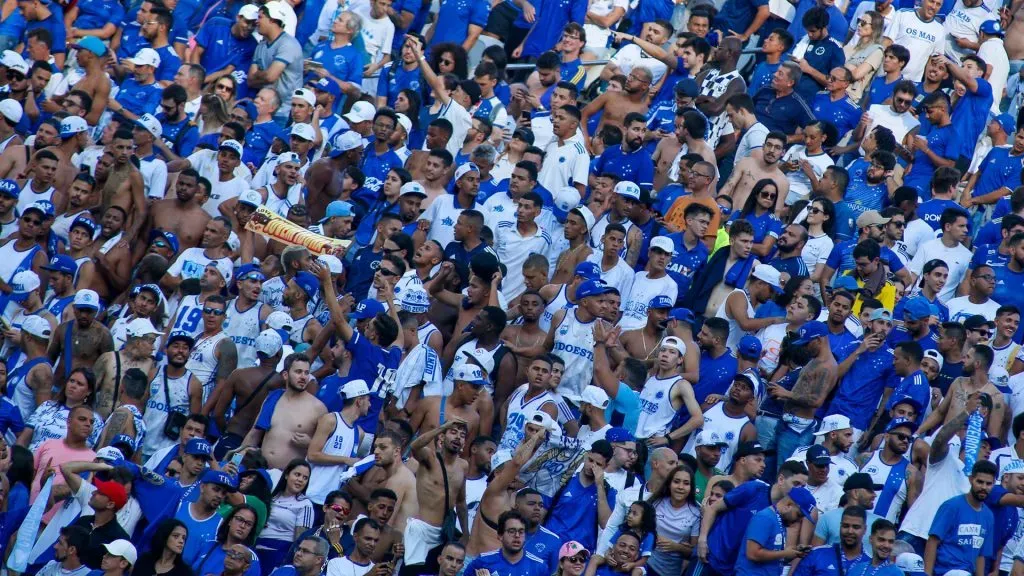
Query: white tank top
{"points": [[887, 505], [656, 411], [6, 143], [11, 260], [28, 196], [461, 356], [735, 332], [323, 478], [424, 332], [574, 344], [203, 362], [189, 316], [298, 327], [557, 303], [79, 262], [727, 427], [157, 408], [280, 205], [518, 408], [23, 397], [243, 328], [641, 292]]}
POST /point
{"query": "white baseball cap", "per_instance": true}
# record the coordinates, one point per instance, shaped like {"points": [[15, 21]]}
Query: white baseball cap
{"points": [[14, 61], [663, 243], [466, 169], [146, 57], [72, 125], [250, 12], [404, 122], [413, 187], [1013, 466], [767, 274], [280, 321], [110, 454], [123, 549], [224, 268], [24, 283], [151, 125], [833, 423], [588, 216], [542, 419], [628, 189], [332, 262], [595, 396], [251, 198], [269, 342], [303, 130], [276, 11], [355, 389], [140, 327], [286, 157], [233, 145], [348, 140], [709, 438], [674, 343], [37, 326], [361, 111], [87, 299], [306, 95], [483, 358], [11, 109]]}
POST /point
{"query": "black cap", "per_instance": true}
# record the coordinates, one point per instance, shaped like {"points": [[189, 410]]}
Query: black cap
{"points": [[524, 134], [975, 322], [861, 480], [748, 449]]}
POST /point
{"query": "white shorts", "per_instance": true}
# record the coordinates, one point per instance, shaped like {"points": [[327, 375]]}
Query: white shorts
{"points": [[420, 538]]}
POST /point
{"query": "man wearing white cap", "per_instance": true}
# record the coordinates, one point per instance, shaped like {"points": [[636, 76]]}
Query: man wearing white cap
{"points": [[433, 411], [302, 138], [89, 338], [25, 291], [139, 94], [118, 558], [22, 253], [286, 189], [146, 131], [134, 350], [664, 394], [649, 283], [836, 435], [219, 39], [10, 110], [421, 363], [438, 221], [277, 62], [738, 307], [593, 403], [335, 443], [30, 381], [246, 388]]}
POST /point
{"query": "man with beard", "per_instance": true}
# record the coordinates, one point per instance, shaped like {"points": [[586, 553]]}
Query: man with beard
{"points": [[124, 186], [172, 388], [763, 546], [975, 379], [512, 556], [200, 515], [635, 342], [337, 438], [112, 254], [246, 388], [288, 417], [181, 214], [110, 368], [867, 186], [821, 561], [188, 317], [483, 345], [527, 332], [790, 244], [870, 225], [859, 490], [71, 545], [947, 550], [246, 315], [214, 356], [815, 382], [285, 191], [15, 158], [836, 435], [630, 160], [89, 339], [41, 186], [80, 200], [481, 450], [8, 214], [468, 381], [308, 560], [325, 177], [212, 250], [749, 170], [437, 490], [890, 468], [883, 537], [615, 107]]}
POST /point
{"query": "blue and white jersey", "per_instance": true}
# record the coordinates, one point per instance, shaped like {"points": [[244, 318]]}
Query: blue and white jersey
{"points": [[50, 422], [189, 316]]}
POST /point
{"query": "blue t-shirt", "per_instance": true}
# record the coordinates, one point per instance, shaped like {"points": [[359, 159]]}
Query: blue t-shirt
{"points": [[686, 262], [1004, 519], [943, 310], [544, 544], [824, 55], [963, 532], [822, 562], [181, 136], [138, 98], [987, 255], [761, 77], [970, 114], [931, 210], [929, 341], [212, 562], [551, 18], [785, 114], [376, 168], [375, 366], [201, 534], [793, 265], [574, 515], [916, 386], [716, 374], [737, 15], [54, 24], [859, 390], [943, 142], [624, 409], [726, 537], [258, 140], [220, 47], [495, 563], [844, 113], [880, 91], [345, 63], [457, 16], [169, 63], [95, 14], [394, 78], [837, 24], [866, 569], [766, 529], [998, 170], [636, 166]]}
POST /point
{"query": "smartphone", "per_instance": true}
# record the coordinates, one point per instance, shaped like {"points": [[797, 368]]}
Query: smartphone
{"points": [[312, 63], [237, 459]]}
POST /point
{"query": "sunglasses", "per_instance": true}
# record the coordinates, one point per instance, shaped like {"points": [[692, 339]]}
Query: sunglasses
{"points": [[160, 244], [12, 75], [863, 23], [983, 333], [899, 224], [31, 221], [576, 560], [234, 555], [214, 311], [901, 436], [339, 509], [814, 210], [768, 195], [386, 272], [225, 87], [905, 101]]}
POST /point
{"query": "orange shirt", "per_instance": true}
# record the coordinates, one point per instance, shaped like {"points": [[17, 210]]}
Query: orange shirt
{"points": [[675, 214]]}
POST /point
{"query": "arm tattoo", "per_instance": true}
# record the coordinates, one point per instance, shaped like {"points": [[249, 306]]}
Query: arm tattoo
{"points": [[114, 425], [809, 385], [228, 358], [940, 445]]}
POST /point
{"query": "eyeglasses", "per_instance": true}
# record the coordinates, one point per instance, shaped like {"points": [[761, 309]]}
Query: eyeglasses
{"points": [[904, 101], [986, 277], [634, 78], [214, 311], [235, 555], [386, 272], [390, 251], [814, 210], [701, 174], [72, 103], [515, 531], [832, 78], [863, 23], [768, 195], [983, 333], [898, 224], [243, 521], [307, 551], [570, 37], [225, 87]]}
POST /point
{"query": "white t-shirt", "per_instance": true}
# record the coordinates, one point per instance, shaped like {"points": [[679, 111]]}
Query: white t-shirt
{"points": [[513, 248], [921, 38], [964, 22], [993, 52], [442, 214], [752, 139], [191, 263], [620, 276], [564, 165], [799, 183], [154, 176], [957, 258], [644, 289], [961, 308], [816, 251], [222, 191], [597, 37], [943, 480], [378, 34], [900, 124], [917, 233], [631, 56], [461, 123]]}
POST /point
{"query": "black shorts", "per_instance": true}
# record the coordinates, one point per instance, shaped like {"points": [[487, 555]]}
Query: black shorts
{"points": [[499, 21]]}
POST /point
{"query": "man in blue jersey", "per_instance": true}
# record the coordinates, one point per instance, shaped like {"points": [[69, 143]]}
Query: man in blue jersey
{"points": [[510, 559], [584, 504], [200, 515], [961, 536], [723, 523], [883, 538], [223, 46], [907, 356], [864, 371], [765, 547], [941, 147], [540, 541], [822, 55], [971, 112], [398, 75], [999, 173], [629, 160], [834, 104], [376, 351], [308, 560]]}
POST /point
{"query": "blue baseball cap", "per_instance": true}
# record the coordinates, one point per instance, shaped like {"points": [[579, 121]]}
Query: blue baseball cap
{"points": [[326, 85], [846, 282], [992, 28], [170, 237], [181, 335], [87, 223], [249, 108], [618, 434], [907, 399], [308, 282], [592, 288], [809, 332], [124, 440], [1007, 123], [804, 500], [682, 315], [660, 302], [44, 207], [198, 447], [818, 455], [367, 309], [588, 271], [749, 347], [210, 476], [250, 272], [901, 423], [337, 208], [92, 44], [9, 188], [62, 263], [917, 308]]}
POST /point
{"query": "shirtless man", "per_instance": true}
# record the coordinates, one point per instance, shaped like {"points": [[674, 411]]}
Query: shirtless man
{"points": [[814, 383], [641, 343], [111, 366], [423, 532], [181, 214], [1013, 15], [288, 417], [127, 417], [246, 388], [113, 268], [977, 361], [325, 177], [436, 173], [124, 186], [469, 380], [389, 472], [479, 294], [751, 169], [577, 232], [92, 57], [527, 333], [89, 338], [616, 105], [15, 159], [740, 245], [74, 137]]}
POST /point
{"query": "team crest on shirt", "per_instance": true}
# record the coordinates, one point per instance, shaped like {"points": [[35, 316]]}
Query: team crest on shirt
{"points": [[447, 221], [819, 51], [730, 435], [660, 395]]}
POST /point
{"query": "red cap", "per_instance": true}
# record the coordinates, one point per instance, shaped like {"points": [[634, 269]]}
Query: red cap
{"points": [[112, 490]]}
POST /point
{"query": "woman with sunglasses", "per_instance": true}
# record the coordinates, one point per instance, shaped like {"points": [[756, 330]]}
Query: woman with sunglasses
{"points": [[291, 514], [50, 419], [759, 210], [164, 556], [238, 527], [335, 528], [226, 88], [820, 221], [864, 52], [572, 559]]}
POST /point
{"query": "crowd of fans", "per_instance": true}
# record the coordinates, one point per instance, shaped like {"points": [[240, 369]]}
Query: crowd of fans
{"points": [[708, 288]]}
